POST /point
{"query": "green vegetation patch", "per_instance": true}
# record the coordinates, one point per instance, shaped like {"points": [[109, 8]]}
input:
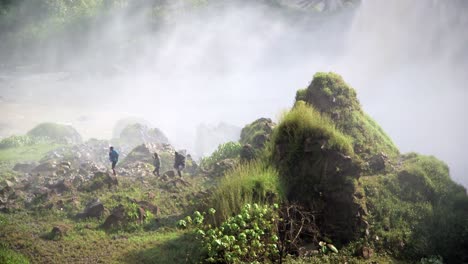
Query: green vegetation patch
{"points": [[228, 150], [254, 182], [27, 152], [418, 212]]}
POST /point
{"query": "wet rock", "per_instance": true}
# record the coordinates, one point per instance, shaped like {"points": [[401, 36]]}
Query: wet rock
{"points": [[257, 133], [378, 162], [24, 167], [307, 250], [169, 174], [100, 180], [247, 153], [116, 218], [48, 166], [59, 231], [61, 186], [94, 209], [221, 167], [367, 252]]}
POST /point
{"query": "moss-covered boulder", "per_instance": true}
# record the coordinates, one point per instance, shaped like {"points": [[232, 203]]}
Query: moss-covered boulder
{"points": [[136, 134], [56, 132], [257, 133], [333, 97]]}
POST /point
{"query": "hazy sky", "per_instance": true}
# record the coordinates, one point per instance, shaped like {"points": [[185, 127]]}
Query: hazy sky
{"points": [[407, 59]]}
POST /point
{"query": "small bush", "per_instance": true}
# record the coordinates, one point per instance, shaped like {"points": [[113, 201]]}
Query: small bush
{"points": [[254, 182], [17, 141], [229, 150]]}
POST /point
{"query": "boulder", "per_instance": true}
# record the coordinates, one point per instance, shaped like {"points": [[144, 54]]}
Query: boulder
{"points": [[366, 252], [116, 218], [94, 209], [61, 186], [257, 133], [247, 153], [135, 134], [220, 168], [24, 167]]}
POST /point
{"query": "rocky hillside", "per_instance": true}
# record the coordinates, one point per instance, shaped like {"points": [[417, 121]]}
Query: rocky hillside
{"points": [[324, 185]]}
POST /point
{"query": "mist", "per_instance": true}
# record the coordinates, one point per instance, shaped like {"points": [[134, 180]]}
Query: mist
{"points": [[240, 61]]}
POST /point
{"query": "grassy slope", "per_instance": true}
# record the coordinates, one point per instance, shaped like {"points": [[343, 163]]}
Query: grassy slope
{"points": [[155, 242], [27, 153]]}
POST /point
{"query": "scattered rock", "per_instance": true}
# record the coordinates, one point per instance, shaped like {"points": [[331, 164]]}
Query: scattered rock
{"points": [[367, 252], [24, 167], [59, 231], [94, 209]]}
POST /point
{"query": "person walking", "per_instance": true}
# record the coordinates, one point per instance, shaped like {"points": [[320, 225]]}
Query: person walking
{"points": [[179, 163], [156, 163], [113, 157]]}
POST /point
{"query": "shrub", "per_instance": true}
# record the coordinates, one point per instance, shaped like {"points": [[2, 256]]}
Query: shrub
{"points": [[17, 141], [254, 182], [229, 150]]}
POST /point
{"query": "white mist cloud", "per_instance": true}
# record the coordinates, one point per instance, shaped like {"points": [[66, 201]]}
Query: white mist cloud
{"points": [[407, 59]]}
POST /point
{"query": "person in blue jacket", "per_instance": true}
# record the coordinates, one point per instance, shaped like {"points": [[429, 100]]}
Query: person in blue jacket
{"points": [[113, 157]]}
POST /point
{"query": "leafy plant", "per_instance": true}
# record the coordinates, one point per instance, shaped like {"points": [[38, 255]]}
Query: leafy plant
{"points": [[248, 237]]}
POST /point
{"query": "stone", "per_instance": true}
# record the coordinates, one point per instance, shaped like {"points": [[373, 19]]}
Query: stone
{"points": [[94, 209], [247, 153], [367, 252], [24, 167]]}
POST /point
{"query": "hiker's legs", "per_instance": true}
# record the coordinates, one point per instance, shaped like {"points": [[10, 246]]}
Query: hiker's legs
{"points": [[113, 167], [179, 173]]}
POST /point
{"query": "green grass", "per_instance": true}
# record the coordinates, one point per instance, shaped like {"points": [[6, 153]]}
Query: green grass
{"points": [[254, 182], [27, 153], [8, 256], [303, 122]]}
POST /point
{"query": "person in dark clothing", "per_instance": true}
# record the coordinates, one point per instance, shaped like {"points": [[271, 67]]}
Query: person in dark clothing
{"points": [[179, 163], [156, 163], [113, 157]]}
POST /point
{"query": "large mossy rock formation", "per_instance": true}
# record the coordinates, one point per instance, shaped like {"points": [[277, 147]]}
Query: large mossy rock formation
{"points": [[319, 171], [331, 96], [56, 132], [336, 162], [136, 134]]}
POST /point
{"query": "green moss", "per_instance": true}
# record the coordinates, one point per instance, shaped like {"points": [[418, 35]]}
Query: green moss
{"points": [[56, 132], [257, 133], [301, 95], [331, 96], [421, 208]]}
